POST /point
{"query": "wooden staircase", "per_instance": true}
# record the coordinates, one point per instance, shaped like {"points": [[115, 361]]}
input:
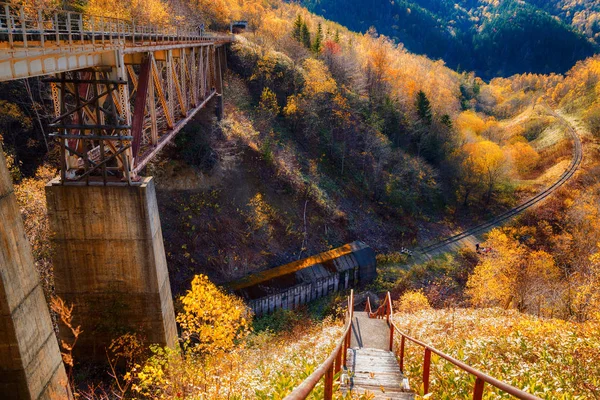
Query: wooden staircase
{"points": [[364, 352], [372, 367]]}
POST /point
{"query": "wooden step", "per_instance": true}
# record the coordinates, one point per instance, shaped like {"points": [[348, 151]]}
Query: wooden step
{"points": [[375, 371]]}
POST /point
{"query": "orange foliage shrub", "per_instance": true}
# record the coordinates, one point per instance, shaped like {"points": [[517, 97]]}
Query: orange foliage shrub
{"points": [[524, 156]]}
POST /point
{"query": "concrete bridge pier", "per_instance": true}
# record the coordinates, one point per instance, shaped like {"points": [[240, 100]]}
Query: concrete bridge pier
{"points": [[31, 366], [109, 262]]}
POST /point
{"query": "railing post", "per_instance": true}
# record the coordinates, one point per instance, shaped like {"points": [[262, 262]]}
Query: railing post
{"points": [[92, 23], [57, 28], [426, 366], [69, 28], [81, 36], [478, 390], [41, 27], [328, 395], [338, 361], [391, 335], [402, 353], [9, 25], [102, 27], [23, 25]]}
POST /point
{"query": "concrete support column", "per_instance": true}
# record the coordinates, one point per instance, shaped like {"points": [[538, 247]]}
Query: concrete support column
{"points": [[31, 366], [109, 261]]}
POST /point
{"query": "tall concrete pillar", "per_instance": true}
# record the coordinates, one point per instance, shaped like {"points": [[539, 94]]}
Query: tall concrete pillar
{"points": [[31, 366], [109, 262]]}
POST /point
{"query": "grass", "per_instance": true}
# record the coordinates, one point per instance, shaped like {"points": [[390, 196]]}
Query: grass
{"points": [[550, 358]]}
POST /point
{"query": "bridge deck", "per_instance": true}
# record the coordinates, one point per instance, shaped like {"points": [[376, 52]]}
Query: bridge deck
{"points": [[373, 368]]}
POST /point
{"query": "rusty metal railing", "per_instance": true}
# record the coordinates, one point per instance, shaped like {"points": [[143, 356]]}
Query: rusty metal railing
{"points": [[22, 28], [331, 366], [386, 311]]}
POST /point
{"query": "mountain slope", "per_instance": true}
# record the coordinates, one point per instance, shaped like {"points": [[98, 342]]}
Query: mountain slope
{"points": [[489, 38]]}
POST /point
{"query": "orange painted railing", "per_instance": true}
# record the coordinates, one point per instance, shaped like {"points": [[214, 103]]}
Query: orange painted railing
{"points": [[331, 366], [386, 311]]}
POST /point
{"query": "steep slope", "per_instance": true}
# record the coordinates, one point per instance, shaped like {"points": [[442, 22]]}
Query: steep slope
{"points": [[491, 38]]}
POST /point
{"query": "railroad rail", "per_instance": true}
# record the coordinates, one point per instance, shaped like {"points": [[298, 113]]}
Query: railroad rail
{"points": [[121, 90], [385, 310], [483, 227]]}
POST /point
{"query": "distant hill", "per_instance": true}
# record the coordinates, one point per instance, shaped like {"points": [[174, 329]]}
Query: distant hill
{"points": [[490, 37]]}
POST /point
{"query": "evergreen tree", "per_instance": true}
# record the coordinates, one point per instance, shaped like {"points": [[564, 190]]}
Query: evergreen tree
{"points": [[305, 35], [297, 31], [424, 108], [446, 120], [337, 37], [318, 42]]}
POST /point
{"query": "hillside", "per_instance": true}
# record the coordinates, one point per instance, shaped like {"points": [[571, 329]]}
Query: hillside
{"points": [[490, 38], [542, 355]]}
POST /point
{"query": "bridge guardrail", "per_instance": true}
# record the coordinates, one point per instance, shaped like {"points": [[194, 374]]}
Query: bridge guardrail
{"points": [[385, 310], [25, 29]]}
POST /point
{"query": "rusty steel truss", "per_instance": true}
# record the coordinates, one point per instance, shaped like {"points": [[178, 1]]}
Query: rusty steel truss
{"points": [[121, 91]]}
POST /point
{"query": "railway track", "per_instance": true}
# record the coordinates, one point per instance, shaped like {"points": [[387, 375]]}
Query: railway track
{"points": [[488, 225]]}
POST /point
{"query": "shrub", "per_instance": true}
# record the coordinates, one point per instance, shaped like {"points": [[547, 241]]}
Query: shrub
{"points": [[212, 320], [412, 301], [592, 119]]}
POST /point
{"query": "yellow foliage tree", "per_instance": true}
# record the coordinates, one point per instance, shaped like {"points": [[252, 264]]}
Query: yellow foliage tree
{"points": [[141, 11], [212, 320], [524, 157], [484, 161], [468, 122], [513, 275], [318, 79]]}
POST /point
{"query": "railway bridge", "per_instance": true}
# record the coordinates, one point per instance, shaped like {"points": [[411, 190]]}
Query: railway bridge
{"points": [[121, 92]]}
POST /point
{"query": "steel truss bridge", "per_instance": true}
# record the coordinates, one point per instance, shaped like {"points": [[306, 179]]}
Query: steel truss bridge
{"points": [[121, 91]]}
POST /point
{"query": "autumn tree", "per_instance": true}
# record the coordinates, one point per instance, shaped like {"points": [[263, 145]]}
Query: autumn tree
{"points": [[142, 11], [268, 106], [212, 320], [482, 165], [377, 69], [514, 275], [525, 158]]}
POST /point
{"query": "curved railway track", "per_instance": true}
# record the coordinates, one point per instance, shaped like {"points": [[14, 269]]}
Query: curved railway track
{"points": [[488, 225]]}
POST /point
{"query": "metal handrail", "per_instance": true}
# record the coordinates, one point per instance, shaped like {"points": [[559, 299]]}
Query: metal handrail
{"points": [[46, 26], [330, 366], [481, 378]]}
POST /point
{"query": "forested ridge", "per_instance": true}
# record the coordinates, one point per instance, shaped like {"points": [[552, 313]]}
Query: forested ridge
{"points": [[493, 38], [331, 136]]}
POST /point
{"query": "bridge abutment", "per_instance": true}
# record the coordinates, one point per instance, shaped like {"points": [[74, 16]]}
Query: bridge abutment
{"points": [[31, 366], [109, 262]]}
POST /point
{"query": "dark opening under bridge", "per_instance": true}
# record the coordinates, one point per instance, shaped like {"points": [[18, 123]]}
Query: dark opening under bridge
{"points": [[121, 92]]}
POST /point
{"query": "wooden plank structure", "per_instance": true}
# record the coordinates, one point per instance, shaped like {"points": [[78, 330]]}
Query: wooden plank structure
{"points": [[376, 372], [372, 366], [291, 285]]}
